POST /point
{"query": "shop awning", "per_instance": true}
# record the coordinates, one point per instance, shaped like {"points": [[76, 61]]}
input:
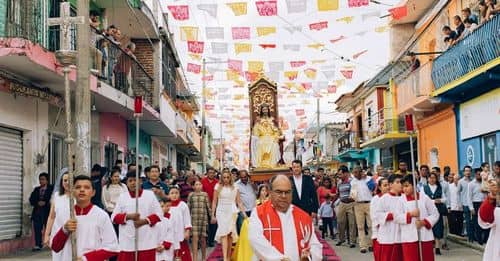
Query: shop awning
{"points": [[353, 155]]}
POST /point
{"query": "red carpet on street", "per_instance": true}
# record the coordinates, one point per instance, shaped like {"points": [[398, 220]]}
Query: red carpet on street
{"points": [[328, 252]]}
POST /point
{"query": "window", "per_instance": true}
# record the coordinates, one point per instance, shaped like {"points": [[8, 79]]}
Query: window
{"points": [[489, 148], [369, 116], [57, 157]]}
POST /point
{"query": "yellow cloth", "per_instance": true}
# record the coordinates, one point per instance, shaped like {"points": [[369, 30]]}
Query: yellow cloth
{"points": [[243, 250]]}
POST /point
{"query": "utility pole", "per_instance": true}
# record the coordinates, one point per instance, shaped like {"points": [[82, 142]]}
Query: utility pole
{"points": [[82, 100], [203, 127], [317, 133], [221, 149]]}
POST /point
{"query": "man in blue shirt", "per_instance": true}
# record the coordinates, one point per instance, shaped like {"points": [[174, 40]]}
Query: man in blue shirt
{"points": [[154, 181]]}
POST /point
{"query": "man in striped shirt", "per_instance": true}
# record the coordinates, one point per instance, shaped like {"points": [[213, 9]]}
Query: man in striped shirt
{"points": [[346, 208]]}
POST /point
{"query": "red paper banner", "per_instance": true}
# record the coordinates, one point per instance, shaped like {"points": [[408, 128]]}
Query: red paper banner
{"points": [[297, 63], [240, 33], [318, 26], [195, 46], [300, 112], [208, 78], [306, 85], [347, 73], [332, 89], [302, 125], [267, 8], [357, 55], [194, 68], [209, 107], [179, 12], [235, 65], [251, 76], [357, 3], [337, 39], [399, 12], [265, 46]]}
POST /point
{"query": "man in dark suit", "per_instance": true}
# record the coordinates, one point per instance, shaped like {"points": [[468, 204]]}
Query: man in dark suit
{"points": [[304, 193], [40, 200]]}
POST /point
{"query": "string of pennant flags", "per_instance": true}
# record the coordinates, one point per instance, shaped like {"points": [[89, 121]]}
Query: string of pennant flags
{"points": [[270, 8]]}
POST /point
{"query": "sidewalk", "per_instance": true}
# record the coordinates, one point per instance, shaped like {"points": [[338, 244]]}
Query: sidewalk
{"points": [[43, 255]]}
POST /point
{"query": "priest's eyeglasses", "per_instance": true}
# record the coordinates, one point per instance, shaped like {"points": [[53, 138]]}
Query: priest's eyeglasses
{"points": [[282, 193]]}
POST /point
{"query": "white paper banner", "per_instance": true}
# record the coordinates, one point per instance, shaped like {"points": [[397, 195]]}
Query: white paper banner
{"points": [[219, 48], [292, 29], [275, 76], [214, 33], [296, 6], [211, 9], [276, 66], [330, 75], [291, 47], [367, 15]]}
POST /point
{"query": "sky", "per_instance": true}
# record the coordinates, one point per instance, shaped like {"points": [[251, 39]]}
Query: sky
{"points": [[355, 40]]}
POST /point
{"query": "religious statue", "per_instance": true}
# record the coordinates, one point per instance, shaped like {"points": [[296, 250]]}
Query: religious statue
{"points": [[265, 141]]}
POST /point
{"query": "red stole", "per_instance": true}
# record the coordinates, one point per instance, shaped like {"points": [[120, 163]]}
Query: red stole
{"points": [[273, 229]]}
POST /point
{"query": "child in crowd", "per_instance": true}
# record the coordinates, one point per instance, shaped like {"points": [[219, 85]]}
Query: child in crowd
{"points": [[262, 194], [382, 188], [166, 244], [326, 213], [199, 207], [182, 208]]}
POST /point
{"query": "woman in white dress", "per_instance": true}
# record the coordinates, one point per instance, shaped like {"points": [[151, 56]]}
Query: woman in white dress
{"points": [[226, 203], [60, 203]]}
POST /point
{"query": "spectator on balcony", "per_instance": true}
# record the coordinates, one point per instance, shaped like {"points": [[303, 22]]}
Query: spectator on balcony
{"points": [[450, 36], [491, 10], [415, 62], [459, 25], [348, 130], [467, 14], [94, 38], [123, 68], [469, 27]]}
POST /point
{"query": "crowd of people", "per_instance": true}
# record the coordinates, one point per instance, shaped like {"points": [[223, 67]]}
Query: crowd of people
{"points": [[357, 207], [469, 22]]}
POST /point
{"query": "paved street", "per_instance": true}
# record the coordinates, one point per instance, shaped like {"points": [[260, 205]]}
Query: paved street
{"points": [[457, 253]]}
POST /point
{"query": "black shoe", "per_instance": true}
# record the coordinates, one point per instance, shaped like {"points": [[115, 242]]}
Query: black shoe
{"points": [[353, 246], [363, 251], [438, 251], [370, 249], [332, 237], [339, 243], [36, 249], [211, 244]]}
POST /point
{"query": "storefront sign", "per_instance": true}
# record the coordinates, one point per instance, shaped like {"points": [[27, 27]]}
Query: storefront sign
{"points": [[477, 115], [28, 91], [470, 155]]}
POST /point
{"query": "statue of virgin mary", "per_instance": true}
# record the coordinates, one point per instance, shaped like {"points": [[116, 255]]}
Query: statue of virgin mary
{"points": [[265, 140]]}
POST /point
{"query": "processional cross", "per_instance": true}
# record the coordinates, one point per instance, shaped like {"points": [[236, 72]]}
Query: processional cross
{"points": [[65, 21]]}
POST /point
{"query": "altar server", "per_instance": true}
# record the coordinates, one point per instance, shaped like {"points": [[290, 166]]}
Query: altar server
{"points": [[183, 235], [382, 188], [166, 243], [489, 217]]}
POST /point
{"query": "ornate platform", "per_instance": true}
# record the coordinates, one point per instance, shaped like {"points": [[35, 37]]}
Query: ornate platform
{"points": [[266, 174]]}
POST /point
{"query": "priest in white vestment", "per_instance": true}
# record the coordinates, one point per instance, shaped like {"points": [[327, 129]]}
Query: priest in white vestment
{"points": [[489, 217], [280, 231]]}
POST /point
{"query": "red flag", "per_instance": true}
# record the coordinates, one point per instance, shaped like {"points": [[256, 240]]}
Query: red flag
{"points": [[399, 12], [209, 107], [240, 33], [297, 63], [138, 104], [179, 12], [337, 39], [251, 76], [302, 125], [347, 73], [318, 26], [357, 55], [300, 112], [195, 46], [357, 3], [194, 68], [332, 89], [235, 65], [267, 8], [265, 46]]}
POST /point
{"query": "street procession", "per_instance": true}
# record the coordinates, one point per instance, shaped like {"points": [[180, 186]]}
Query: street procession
{"points": [[249, 130]]}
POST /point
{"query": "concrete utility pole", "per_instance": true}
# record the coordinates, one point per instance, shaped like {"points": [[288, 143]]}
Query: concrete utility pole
{"points": [[82, 100], [317, 133], [203, 127]]}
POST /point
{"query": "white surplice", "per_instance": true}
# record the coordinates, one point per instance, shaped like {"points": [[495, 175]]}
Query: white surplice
{"points": [[428, 214], [264, 250], [165, 232], [182, 216], [373, 209], [492, 249], [389, 231], [94, 231]]}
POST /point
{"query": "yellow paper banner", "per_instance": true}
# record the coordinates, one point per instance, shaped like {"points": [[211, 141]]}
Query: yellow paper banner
{"points": [[310, 73], [289, 85], [263, 31], [381, 29], [238, 96], [316, 46], [346, 19], [318, 61], [195, 56], [291, 75], [239, 83], [189, 33], [339, 82], [242, 48], [255, 66], [238, 8], [232, 75], [328, 5]]}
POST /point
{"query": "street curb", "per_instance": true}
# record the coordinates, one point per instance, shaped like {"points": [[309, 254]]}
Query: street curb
{"points": [[463, 241]]}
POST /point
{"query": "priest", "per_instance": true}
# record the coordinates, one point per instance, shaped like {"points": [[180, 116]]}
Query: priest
{"points": [[489, 218], [95, 237], [144, 220], [281, 231]]}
